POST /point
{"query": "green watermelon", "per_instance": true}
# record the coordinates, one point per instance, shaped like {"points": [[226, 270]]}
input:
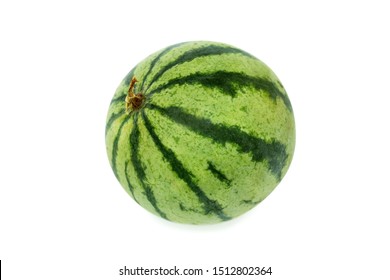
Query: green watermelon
{"points": [[200, 132]]}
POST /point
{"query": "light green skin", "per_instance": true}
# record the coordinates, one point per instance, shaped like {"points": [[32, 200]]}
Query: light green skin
{"points": [[251, 110]]}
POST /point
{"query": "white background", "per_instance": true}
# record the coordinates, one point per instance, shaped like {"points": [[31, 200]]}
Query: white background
{"points": [[63, 215]]}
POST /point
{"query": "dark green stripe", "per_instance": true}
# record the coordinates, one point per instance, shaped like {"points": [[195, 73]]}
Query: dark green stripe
{"points": [[273, 152], [227, 83], [120, 98], [139, 169], [113, 118], [115, 146], [251, 202], [218, 174], [195, 53], [129, 76], [129, 185], [126, 81], [156, 60], [209, 206]]}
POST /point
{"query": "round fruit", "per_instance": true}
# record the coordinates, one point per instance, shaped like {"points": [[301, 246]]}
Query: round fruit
{"points": [[200, 132]]}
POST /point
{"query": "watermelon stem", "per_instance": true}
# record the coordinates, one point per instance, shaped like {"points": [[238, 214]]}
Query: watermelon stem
{"points": [[133, 101]]}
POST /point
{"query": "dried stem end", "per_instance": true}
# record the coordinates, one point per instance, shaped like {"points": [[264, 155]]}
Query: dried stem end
{"points": [[133, 100]]}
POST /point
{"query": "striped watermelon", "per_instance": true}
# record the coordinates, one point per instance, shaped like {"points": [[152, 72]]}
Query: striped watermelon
{"points": [[200, 132]]}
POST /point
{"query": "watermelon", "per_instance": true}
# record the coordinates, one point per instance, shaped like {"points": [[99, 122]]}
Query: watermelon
{"points": [[200, 132]]}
